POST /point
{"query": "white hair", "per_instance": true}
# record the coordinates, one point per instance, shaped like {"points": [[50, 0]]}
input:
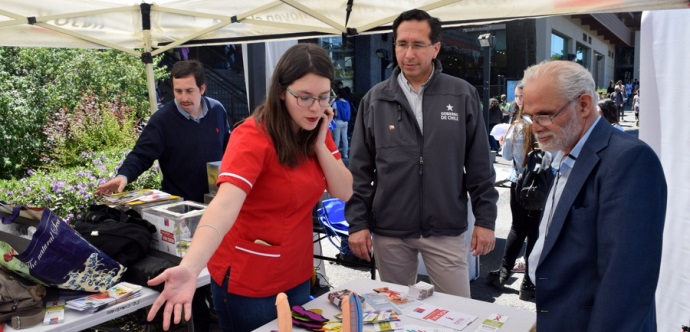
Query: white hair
{"points": [[570, 79]]}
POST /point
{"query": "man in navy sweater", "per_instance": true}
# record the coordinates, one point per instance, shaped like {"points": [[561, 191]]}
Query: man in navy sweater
{"points": [[183, 136]]}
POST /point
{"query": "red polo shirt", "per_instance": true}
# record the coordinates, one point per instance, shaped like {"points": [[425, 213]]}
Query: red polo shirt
{"points": [[277, 210]]}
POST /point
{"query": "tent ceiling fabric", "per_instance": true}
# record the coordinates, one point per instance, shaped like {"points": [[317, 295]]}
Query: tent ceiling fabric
{"points": [[147, 28], [118, 23]]}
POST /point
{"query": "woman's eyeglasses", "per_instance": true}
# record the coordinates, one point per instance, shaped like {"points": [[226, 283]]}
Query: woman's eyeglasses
{"points": [[307, 101]]}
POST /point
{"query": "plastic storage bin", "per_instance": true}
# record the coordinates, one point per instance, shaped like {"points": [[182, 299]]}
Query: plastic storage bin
{"points": [[175, 224]]}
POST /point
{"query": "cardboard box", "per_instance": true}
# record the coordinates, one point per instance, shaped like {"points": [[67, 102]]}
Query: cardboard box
{"points": [[209, 197], [175, 225], [212, 169]]}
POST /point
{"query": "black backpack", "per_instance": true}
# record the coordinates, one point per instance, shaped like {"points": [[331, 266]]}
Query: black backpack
{"points": [[122, 235], [534, 183]]}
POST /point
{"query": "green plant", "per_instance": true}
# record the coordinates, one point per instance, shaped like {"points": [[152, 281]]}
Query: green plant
{"points": [[92, 126], [69, 191], [37, 82]]}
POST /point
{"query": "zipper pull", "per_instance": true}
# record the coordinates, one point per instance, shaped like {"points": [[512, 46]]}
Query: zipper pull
{"points": [[421, 164]]}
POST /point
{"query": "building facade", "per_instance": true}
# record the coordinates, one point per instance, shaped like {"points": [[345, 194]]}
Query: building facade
{"points": [[603, 43]]}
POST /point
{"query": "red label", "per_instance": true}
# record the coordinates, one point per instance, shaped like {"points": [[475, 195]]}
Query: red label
{"points": [[167, 237]]}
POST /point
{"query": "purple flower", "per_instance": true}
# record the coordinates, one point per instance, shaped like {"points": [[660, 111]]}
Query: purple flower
{"points": [[47, 197], [57, 185], [30, 172]]}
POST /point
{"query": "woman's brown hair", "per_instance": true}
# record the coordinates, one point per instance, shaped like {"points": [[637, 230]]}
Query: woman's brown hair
{"points": [[529, 143], [298, 61]]}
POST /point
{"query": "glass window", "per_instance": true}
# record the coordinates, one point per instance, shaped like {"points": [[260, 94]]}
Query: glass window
{"points": [[342, 55], [559, 48], [582, 55]]}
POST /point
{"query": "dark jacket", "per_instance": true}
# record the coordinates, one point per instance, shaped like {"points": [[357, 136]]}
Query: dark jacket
{"points": [[409, 185], [599, 266], [182, 148]]}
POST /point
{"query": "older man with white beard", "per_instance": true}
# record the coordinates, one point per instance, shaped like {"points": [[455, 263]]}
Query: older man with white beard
{"points": [[596, 262]]}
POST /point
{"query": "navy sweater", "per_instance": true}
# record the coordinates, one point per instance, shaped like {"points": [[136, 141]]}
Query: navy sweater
{"points": [[182, 147]]}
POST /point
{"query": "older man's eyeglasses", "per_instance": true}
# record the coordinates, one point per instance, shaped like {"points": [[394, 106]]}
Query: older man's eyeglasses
{"points": [[307, 101], [416, 46], [546, 120]]}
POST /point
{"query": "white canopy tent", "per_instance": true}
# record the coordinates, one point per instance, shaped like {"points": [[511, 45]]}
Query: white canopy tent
{"points": [[147, 28]]}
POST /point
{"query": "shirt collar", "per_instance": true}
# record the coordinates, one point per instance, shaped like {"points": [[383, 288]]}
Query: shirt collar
{"points": [[204, 111], [567, 161], [405, 84]]}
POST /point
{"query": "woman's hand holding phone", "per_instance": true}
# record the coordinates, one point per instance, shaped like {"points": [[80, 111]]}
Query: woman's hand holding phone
{"points": [[324, 122]]}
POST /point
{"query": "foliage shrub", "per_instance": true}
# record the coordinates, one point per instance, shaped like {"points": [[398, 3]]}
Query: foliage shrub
{"points": [[69, 191], [35, 83], [91, 126]]}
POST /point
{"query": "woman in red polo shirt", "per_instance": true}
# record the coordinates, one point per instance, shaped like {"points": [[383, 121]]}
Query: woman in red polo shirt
{"points": [[256, 234]]}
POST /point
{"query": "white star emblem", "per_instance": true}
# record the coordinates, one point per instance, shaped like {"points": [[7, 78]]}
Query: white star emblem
{"points": [[450, 107]]}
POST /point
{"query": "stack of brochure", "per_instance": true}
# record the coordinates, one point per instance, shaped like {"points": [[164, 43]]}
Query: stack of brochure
{"points": [[137, 197], [94, 302]]}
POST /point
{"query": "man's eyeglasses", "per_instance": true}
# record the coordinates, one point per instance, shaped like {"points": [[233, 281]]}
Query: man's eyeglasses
{"points": [[546, 120], [416, 46], [307, 101]]}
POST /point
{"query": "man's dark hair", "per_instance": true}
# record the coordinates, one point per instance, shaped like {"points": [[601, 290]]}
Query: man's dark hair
{"points": [[419, 15], [190, 67], [608, 110]]}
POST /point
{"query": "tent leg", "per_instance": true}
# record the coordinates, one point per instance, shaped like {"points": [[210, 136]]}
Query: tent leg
{"points": [[151, 83]]}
